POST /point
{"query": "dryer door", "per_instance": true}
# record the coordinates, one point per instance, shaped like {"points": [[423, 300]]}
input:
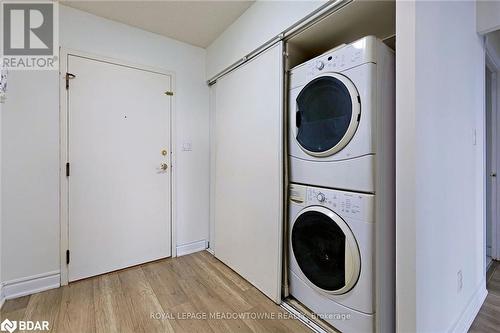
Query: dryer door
{"points": [[325, 249], [328, 113]]}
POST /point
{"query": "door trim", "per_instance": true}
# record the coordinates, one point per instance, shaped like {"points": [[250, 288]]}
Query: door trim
{"points": [[492, 64], [63, 150]]}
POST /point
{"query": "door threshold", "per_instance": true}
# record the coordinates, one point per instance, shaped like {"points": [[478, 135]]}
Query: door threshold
{"points": [[121, 269]]}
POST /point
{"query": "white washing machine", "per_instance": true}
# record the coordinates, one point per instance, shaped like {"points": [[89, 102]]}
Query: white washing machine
{"points": [[331, 261], [341, 116]]}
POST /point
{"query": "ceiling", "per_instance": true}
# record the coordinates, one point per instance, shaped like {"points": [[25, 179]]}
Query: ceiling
{"points": [[195, 22], [493, 46]]}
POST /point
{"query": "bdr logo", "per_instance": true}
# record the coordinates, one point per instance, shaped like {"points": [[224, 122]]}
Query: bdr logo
{"points": [[30, 35], [11, 326], [8, 325]]}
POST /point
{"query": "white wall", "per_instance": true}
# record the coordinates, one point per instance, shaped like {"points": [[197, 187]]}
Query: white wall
{"points": [[488, 15], [1, 289], [30, 178], [405, 168], [257, 25], [30, 140], [440, 171]]}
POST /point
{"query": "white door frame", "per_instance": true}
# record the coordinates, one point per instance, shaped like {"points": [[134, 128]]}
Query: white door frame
{"points": [[493, 66], [63, 150]]}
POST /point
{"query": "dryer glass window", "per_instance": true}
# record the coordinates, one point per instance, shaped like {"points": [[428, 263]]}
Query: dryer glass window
{"points": [[324, 112], [319, 248]]}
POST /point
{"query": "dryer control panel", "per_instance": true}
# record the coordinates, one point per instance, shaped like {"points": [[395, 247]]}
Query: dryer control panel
{"points": [[343, 57], [346, 204]]}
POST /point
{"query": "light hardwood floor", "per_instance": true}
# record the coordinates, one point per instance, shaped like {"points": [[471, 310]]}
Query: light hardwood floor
{"points": [[124, 301], [488, 318]]}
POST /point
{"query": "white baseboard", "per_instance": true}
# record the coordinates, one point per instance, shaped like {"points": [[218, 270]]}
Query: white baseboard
{"points": [[469, 314], [193, 247], [31, 285]]}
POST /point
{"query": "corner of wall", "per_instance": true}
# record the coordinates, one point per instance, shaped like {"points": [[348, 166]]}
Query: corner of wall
{"points": [[492, 49], [192, 247], [30, 285], [466, 318], [2, 296], [406, 259]]}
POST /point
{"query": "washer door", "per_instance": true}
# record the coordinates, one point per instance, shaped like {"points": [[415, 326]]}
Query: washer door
{"points": [[325, 250], [328, 113]]}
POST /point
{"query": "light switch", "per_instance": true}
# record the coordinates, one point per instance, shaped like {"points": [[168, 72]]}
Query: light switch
{"points": [[187, 146]]}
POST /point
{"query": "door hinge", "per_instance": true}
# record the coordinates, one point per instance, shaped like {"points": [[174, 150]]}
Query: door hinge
{"points": [[69, 76], [169, 93], [67, 169], [67, 257]]}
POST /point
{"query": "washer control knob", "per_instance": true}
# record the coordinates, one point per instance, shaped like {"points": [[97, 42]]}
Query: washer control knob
{"points": [[321, 197], [320, 65]]}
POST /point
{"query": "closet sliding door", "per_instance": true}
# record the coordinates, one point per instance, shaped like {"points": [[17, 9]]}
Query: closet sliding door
{"points": [[249, 170]]}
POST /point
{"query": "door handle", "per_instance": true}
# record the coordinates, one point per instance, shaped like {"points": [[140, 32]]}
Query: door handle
{"points": [[164, 166], [493, 174]]}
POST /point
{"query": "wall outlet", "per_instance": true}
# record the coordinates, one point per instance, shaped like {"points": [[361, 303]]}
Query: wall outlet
{"points": [[460, 282]]}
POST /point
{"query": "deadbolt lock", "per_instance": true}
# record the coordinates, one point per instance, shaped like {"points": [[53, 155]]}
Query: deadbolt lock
{"points": [[164, 152]]}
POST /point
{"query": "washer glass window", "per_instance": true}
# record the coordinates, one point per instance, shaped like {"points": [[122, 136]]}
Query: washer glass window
{"points": [[325, 115], [319, 247]]}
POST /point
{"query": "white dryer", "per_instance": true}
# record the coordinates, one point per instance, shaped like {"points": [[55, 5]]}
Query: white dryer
{"points": [[341, 116], [331, 261]]}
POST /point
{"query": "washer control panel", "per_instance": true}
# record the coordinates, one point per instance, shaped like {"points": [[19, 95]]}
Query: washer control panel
{"points": [[346, 204]]}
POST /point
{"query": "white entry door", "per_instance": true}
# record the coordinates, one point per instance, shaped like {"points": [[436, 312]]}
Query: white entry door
{"points": [[119, 171]]}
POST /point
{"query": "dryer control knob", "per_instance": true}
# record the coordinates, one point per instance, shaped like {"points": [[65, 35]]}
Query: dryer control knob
{"points": [[321, 197], [320, 64]]}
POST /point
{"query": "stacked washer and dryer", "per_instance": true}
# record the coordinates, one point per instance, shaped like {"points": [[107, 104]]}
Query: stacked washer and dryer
{"points": [[341, 197]]}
